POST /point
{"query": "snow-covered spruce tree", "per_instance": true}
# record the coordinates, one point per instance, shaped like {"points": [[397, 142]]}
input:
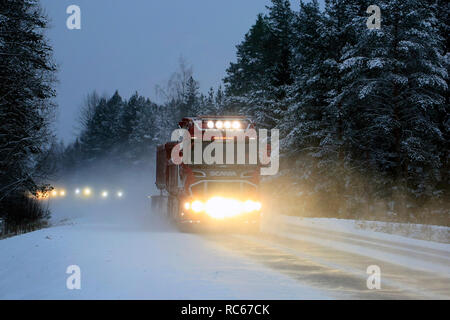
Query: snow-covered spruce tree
{"points": [[256, 84], [300, 127], [442, 12], [26, 89], [315, 126], [190, 105], [395, 81], [104, 133], [144, 131]]}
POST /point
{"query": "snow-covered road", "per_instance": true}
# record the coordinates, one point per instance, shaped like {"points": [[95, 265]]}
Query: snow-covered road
{"points": [[125, 254]]}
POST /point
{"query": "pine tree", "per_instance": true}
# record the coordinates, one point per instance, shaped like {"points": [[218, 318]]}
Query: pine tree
{"points": [[144, 136], [104, 133], [190, 106], [26, 90]]}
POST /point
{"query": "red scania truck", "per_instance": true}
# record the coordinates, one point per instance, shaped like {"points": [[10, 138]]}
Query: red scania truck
{"points": [[224, 193]]}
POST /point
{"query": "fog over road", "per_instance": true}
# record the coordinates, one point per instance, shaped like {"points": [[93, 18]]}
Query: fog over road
{"points": [[126, 253]]}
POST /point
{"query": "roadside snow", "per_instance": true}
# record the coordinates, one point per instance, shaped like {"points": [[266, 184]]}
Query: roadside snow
{"points": [[425, 235], [344, 235]]}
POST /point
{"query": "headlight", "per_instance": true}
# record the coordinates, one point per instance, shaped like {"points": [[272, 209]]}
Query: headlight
{"points": [[220, 208], [210, 124], [219, 124], [236, 124], [227, 124], [197, 206], [87, 192], [250, 206]]}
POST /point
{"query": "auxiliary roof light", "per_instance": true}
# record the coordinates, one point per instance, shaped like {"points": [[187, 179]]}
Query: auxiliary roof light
{"points": [[210, 124], [219, 124], [236, 125]]}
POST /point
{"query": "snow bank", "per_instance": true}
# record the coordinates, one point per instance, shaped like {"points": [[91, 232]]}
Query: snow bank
{"points": [[403, 232]]}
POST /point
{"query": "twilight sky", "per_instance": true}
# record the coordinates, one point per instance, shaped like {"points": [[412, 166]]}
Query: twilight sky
{"points": [[134, 45]]}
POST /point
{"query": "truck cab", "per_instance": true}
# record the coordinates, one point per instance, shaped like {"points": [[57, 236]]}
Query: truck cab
{"points": [[223, 193]]}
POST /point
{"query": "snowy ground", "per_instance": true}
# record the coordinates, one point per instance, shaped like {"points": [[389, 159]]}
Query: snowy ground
{"points": [[378, 228], [126, 254]]}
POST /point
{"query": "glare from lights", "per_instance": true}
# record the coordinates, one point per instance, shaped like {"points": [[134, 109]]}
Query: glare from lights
{"points": [[120, 194], [62, 193], [54, 193], [236, 125], [187, 205], [87, 191], [197, 206], [104, 194], [219, 124], [210, 124], [77, 191], [221, 208], [227, 124], [42, 195], [250, 206]]}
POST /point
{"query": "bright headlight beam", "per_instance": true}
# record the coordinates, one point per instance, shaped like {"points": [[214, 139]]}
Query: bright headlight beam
{"points": [[87, 191], [221, 208], [197, 206]]}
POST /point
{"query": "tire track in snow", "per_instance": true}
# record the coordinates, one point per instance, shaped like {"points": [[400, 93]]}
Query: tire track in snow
{"points": [[372, 243], [339, 282]]}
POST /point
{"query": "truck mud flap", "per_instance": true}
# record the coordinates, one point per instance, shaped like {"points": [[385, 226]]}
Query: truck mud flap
{"points": [[159, 205]]}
